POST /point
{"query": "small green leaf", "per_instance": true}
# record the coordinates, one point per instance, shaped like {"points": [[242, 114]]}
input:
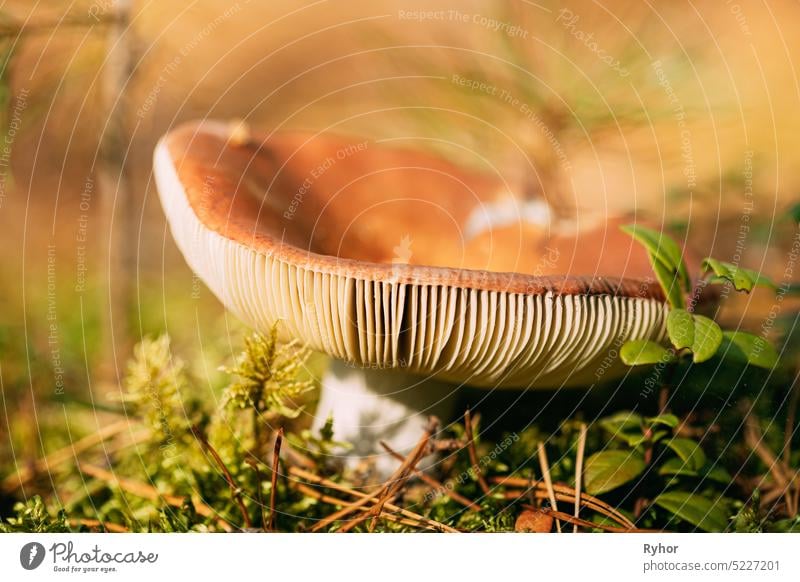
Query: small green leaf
{"points": [[661, 246], [634, 440], [719, 474], [666, 257], [668, 280], [669, 420], [718, 267], [742, 279], [707, 339], [709, 515], [689, 452], [680, 327], [750, 348], [622, 420], [676, 466], [644, 352], [608, 470]]}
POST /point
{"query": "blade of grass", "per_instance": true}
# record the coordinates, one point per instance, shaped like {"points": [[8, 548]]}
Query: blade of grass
{"points": [[579, 472], [276, 457], [546, 475]]}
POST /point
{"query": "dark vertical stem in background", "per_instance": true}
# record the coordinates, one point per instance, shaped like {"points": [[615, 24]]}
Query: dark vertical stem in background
{"points": [[116, 191]]}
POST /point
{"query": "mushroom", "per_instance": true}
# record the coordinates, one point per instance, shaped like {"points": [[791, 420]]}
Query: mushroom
{"points": [[414, 274]]}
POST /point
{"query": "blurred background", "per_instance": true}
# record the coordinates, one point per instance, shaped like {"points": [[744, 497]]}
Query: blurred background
{"points": [[682, 112]]}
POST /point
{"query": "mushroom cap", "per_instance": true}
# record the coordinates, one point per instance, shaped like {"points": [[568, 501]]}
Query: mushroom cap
{"points": [[390, 258]]}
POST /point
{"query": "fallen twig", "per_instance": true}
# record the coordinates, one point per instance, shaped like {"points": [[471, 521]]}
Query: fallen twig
{"points": [[236, 491], [276, 457], [146, 491], [546, 476], [322, 482], [71, 451], [576, 521], [789, 428], [383, 493], [755, 440], [563, 493], [254, 465], [579, 473], [397, 480], [473, 453], [437, 485], [311, 492]]}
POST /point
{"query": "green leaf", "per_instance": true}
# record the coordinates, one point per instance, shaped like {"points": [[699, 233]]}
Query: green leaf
{"points": [[661, 246], [669, 420], [644, 352], [719, 474], [707, 338], [680, 327], [666, 258], [608, 470], [676, 466], [709, 515], [668, 280], [742, 279], [698, 333], [689, 452], [634, 440], [622, 420], [750, 348]]}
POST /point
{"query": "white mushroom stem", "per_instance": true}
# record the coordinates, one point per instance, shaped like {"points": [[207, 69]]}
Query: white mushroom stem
{"points": [[373, 405]]}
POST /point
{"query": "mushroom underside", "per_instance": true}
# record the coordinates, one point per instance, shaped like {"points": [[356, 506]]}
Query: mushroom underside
{"points": [[234, 213]]}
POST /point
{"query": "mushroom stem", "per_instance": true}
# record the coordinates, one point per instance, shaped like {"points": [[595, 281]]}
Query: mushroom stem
{"points": [[373, 405]]}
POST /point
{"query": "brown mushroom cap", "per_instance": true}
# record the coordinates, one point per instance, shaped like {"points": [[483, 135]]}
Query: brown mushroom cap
{"points": [[362, 251]]}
